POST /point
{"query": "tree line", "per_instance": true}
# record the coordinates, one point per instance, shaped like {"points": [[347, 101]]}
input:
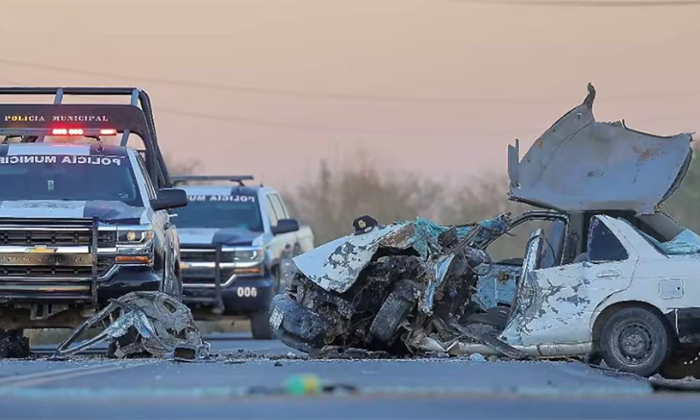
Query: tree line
{"points": [[337, 195]]}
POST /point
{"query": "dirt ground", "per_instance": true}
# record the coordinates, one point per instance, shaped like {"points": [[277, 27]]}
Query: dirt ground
{"points": [[55, 336]]}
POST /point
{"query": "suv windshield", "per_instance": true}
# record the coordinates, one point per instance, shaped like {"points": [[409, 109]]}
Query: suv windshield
{"points": [[68, 177], [220, 211]]}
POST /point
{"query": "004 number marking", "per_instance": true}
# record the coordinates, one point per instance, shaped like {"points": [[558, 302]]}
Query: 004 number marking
{"points": [[247, 291]]}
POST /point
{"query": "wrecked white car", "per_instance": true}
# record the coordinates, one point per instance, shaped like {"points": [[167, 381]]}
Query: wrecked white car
{"points": [[628, 298], [607, 281]]}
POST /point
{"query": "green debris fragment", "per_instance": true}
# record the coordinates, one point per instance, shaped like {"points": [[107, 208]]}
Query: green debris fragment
{"points": [[303, 385]]}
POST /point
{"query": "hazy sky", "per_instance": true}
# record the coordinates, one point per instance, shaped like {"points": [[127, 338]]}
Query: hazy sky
{"points": [[436, 86]]}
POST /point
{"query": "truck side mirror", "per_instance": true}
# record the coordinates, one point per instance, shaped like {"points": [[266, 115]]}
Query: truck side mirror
{"points": [[169, 198], [285, 226]]}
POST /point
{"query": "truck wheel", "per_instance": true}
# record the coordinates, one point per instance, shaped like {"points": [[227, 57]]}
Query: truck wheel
{"points": [[635, 340], [260, 326]]}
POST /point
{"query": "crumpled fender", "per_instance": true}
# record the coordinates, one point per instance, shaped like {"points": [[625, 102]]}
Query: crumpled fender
{"points": [[336, 265]]}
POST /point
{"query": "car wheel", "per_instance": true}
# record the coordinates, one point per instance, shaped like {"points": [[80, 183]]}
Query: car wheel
{"points": [[394, 310], [635, 340], [260, 326]]}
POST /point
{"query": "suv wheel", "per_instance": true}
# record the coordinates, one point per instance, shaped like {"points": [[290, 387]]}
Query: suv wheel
{"points": [[635, 340], [260, 326]]}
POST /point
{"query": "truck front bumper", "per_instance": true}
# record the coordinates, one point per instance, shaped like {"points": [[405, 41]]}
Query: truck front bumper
{"points": [[120, 281], [243, 296]]}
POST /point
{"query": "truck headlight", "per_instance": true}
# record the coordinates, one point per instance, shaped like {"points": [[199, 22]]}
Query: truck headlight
{"points": [[134, 236], [246, 255], [134, 245], [247, 260]]}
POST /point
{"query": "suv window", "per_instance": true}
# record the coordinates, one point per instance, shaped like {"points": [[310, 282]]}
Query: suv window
{"points": [[271, 213], [279, 207], [603, 245], [150, 189]]}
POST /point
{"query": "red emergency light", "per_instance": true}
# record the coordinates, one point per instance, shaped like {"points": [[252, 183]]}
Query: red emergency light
{"points": [[80, 132]]}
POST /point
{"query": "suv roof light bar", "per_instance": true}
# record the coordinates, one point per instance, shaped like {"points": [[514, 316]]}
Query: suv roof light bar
{"points": [[155, 163]]}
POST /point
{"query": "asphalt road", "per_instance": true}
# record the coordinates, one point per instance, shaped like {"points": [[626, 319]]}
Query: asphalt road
{"points": [[247, 384]]}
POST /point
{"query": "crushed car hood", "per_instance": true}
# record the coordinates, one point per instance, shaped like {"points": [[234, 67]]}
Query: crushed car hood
{"points": [[336, 265], [211, 236], [579, 164], [106, 211]]}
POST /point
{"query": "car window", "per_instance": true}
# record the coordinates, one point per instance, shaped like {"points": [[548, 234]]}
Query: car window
{"points": [[280, 207], [150, 189], [69, 178], [220, 211], [509, 249], [603, 245], [271, 212]]}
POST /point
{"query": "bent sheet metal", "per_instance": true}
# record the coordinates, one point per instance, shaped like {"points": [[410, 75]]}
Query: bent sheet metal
{"points": [[152, 322], [580, 164]]}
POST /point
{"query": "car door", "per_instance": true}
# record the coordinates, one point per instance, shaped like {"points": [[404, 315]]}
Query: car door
{"points": [[497, 286], [566, 296]]}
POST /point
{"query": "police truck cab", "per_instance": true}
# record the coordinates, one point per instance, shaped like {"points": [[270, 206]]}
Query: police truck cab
{"points": [[235, 241], [81, 220]]}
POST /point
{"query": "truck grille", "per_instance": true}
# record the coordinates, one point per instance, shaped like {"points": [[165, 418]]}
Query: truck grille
{"points": [[198, 278], [31, 237], [29, 271], [204, 256]]}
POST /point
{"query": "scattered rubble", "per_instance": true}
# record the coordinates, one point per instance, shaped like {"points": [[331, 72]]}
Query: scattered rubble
{"points": [[142, 323]]}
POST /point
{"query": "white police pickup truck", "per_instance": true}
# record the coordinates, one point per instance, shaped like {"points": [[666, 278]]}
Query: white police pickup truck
{"points": [[235, 242]]}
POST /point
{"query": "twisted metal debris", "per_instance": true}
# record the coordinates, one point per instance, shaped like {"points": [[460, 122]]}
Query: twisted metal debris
{"points": [[151, 323]]}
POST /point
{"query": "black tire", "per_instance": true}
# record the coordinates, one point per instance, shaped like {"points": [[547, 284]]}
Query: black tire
{"points": [[260, 326], [682, 364], [391, 314], [635, 340]]}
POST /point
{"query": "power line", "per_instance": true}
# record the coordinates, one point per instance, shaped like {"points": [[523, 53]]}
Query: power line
{"points": [[305, 127], [247, 89], [418, 100], [589, 3]]}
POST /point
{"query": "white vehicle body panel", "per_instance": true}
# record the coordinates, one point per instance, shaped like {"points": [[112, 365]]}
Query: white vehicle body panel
{"points": [[567, 300]]}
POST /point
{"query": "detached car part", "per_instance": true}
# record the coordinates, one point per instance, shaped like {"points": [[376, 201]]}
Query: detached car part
{"points": [[153, 323]]}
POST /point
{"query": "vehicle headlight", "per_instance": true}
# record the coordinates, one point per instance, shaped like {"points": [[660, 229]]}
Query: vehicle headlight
{"points": [[134, 245], [134, 236], [246, 254]]}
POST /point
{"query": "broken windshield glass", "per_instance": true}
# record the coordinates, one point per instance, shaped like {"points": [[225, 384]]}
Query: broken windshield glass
{"points": [[687, 242]]}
